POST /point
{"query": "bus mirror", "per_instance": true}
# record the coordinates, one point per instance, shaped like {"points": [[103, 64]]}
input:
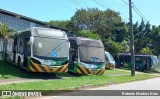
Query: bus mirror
{"points": [[31, 40]]}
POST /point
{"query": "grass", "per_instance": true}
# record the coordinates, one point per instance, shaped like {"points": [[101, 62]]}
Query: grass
{"points": [[71, 82], [77, 82], [8, 71]]}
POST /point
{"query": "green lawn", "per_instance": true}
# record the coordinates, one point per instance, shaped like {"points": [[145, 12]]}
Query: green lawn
{"points": [[8, 71], [75, 82], [68, 83]]}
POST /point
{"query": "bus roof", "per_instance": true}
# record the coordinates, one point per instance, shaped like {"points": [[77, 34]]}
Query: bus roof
{"points": [[47, 32], [138, 55], [89, 42]]}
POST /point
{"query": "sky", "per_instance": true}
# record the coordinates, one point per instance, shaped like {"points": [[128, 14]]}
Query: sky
{"points": [[46, 10]]}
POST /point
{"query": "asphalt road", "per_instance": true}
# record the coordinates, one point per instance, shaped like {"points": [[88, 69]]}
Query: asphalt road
{"points": [[151, 84]]}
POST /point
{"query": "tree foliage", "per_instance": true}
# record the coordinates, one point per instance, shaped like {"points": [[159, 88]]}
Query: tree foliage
{"points": [[146, 51], [61, 24], [88, 34], [5, 31], [109, 27]]}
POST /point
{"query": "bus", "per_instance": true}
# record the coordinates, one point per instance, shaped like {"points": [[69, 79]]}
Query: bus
{"points": [[110, 62], [87, 56], [39, 50], [142, 62]]}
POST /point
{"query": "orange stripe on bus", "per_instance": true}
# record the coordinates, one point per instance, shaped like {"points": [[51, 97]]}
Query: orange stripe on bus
{"points": [[32, 69], [79, 72], [83, 69], [101, 71], [39, 69], [55, 69], [47, 69], [63, 68], [91, 72]]}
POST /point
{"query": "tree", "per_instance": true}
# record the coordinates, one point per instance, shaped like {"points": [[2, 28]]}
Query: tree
{"points": [[109, 27], [95, 20], [121, 32], [155, 40], [146, 51], [61, 24], [88, 34], [113, 47], [125, 46], [5, 31]]}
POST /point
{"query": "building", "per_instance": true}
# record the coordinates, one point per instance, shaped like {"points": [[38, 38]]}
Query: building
{"points": [[19, 22]]}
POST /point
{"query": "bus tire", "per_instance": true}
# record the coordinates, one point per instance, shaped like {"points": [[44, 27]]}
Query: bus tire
{"points": [[19, 62]]}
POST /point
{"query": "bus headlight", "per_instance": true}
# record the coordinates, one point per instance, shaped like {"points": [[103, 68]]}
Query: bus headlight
{"points": [[88, 65]]}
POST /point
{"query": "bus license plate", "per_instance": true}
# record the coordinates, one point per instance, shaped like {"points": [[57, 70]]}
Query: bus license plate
{"points": [[51, 67]]}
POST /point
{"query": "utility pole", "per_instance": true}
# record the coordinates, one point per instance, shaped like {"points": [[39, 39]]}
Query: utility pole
{"points": [[131, 40]]}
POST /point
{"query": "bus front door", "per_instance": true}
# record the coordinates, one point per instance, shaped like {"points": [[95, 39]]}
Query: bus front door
{"points": [[25, 62]]}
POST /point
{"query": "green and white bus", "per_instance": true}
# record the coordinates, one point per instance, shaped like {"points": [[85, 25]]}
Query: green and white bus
{"points": [[87, 56], [110, 62], [39, 50], [142, 62]]}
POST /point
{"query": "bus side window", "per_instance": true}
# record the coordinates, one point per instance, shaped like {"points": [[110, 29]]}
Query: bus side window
{"points": [[14, 45], [28, 47], [10, 45], [20, 46], [18, 43], [106, 58]]}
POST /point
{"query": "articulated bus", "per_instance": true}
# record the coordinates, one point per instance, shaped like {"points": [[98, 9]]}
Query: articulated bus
{"points": [[142, 62], [39, 50], [87, 56]]}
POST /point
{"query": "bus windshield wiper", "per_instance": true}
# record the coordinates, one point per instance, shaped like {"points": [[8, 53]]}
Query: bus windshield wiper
{"points": [[96, 58]]}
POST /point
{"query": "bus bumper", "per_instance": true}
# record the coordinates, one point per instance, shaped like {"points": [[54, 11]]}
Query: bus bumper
{"points": [[83, 70], [110, 66], [48, 69]]}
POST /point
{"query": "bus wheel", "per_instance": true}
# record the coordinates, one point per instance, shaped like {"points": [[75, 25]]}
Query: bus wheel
{"points": [[19, 65], [137, 67]]}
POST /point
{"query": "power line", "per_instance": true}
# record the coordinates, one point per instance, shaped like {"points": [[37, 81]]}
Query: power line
{"points": [[136, 10], [125, 2], [100, 4], [139, 11], [82, 3], [64, 5], [86, 2], [75, 3]]}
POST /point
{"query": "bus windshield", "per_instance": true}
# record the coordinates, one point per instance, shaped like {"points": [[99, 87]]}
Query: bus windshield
{"points": [[91, 54], [155, 61], [109, 57], [49, 47]]}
